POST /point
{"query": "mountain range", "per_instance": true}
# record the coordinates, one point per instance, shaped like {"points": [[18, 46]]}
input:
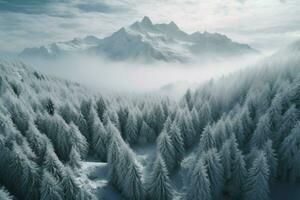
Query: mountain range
{"points": [[145, 41]]}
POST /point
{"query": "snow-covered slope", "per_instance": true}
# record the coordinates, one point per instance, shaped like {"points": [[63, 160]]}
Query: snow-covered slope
{"points": [[58, 49], [146, 41]]}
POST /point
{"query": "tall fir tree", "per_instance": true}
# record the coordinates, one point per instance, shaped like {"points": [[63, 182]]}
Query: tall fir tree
{"points": [[50, 188], [257, 183], [186, 127], [166, 150], [271, 159], [262, 132], [239, 174], [159, 185], [199, 187], [74, 159], [133, 187], [207, 140], [215, 173], [70, 185], [289, 120], [52, 164], [147, 135], [290, 155], [205, 115], [177, 143], [131, 129], [100, 140]]}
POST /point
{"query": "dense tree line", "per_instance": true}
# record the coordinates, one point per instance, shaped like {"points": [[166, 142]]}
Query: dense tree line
{"points": [[232, 137]]}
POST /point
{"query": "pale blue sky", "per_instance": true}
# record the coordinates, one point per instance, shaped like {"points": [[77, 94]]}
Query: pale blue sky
{"points": [[264, 24]]}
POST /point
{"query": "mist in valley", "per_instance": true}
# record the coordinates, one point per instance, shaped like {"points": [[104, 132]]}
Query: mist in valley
{"points": [[134, 77]]}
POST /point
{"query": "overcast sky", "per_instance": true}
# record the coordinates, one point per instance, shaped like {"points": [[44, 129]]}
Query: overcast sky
{"points": [[264, 24]]}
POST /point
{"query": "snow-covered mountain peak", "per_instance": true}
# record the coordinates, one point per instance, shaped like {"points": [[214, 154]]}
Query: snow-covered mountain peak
{"points": [[146, 21], [148, 41]]}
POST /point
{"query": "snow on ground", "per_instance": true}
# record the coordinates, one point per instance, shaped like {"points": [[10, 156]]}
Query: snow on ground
{"points": [[145, 155], [94, 174]]}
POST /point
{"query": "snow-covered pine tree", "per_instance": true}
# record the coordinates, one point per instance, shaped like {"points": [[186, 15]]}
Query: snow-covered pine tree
{"points": [[90, 120], [52, 164], [70, 185], [100, 140], [166, 150], [275, 112], [133, 187], [157, 118], [86, 107], [207, 140], [147, 135], [131, 131], [262, 99], [23, 174], [89, 116], [295, 94], [271, 159], [49, 105], [185, 124], [257, 183], [6, 125], [167, 124], [262, 132], [199, 187], [239, 174], [123, 113], [101, 107], [177, 143], [50, 188], [114, 157], [159, 184], [112, 116], [226, 158], [56, 130], [188, 99], [19, 114], [37, 141], [139, 119], [289, 120], [77, 140], [69, 113], [215, 172], [124, 159], [3, 85], [238, 129], [219, 133], [205, 115], [196, 120], [290, 155], [74, 159], [247, 122]]}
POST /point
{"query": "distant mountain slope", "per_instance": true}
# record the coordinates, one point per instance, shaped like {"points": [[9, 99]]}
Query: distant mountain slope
{"points": [[146, 41]]}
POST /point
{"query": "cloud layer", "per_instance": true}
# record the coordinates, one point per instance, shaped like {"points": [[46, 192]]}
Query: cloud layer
{"points": [[265, 25]]}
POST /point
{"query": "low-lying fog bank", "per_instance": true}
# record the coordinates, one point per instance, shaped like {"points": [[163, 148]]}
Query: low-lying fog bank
{"points": [[135, 77]]}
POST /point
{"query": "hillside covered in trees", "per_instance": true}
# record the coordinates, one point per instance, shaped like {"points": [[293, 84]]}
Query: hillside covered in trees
{"points": [[232, 138]]}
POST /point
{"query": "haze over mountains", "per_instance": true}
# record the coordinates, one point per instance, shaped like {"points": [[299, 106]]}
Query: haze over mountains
{"points": [[147, 42]]}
